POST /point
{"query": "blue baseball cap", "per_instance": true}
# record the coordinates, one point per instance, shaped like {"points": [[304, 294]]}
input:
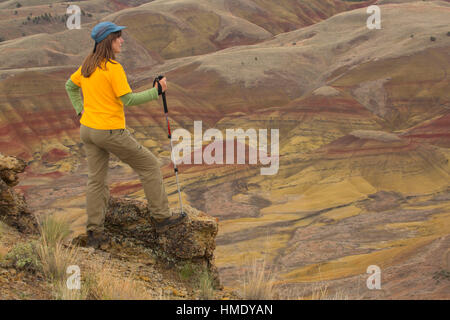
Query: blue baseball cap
{"points": [[103, 29]]}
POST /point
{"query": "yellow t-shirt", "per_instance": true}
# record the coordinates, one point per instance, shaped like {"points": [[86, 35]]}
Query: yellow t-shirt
{"points": [[103, 108]]}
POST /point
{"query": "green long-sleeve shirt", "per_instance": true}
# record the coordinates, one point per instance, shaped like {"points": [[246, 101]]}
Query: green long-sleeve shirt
{"points": [[129, 99]]}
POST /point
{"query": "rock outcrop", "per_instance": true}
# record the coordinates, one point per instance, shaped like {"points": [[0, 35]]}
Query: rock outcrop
{"points": [[128, 221], [13, 208]]}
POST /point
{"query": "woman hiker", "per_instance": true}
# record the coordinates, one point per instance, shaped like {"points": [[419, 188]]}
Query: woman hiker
{"points": [[106, 91]]}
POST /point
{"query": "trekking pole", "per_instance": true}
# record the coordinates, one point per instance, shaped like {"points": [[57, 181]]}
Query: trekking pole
{"points": [[166, 112]]}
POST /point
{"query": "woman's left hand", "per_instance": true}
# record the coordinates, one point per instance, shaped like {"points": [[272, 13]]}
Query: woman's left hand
{"points": [[163, 84]]}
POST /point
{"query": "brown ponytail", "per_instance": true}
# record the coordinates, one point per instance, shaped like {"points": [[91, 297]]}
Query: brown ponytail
{"points": [[102, 52]]}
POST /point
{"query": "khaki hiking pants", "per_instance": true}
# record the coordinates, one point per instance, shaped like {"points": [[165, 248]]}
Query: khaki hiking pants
{"points": [[98, 144]]}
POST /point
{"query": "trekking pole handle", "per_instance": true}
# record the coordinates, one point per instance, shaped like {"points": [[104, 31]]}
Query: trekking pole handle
{"points": [[157, 79]]}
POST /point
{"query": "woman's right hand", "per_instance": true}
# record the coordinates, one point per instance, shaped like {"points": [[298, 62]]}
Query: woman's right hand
{"points": [[163, 84]]}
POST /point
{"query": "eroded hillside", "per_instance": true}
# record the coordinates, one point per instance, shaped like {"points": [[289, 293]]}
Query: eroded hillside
{"points": [[363, 126]]}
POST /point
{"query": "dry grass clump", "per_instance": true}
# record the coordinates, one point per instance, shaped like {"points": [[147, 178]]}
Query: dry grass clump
{"points": [[317, 291], [199, 277], [258, 284], [55, 257], [104, 284], [206, 284], [62, 292], [320, 292], [54, 230]]}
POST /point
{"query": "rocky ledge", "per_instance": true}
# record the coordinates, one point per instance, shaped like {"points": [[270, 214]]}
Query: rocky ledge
{"points": [[13, 208], [128, 222]]}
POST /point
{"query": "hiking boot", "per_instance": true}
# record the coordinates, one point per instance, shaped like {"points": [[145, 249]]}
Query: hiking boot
{"points": [[97, 240], [164, 225]]}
